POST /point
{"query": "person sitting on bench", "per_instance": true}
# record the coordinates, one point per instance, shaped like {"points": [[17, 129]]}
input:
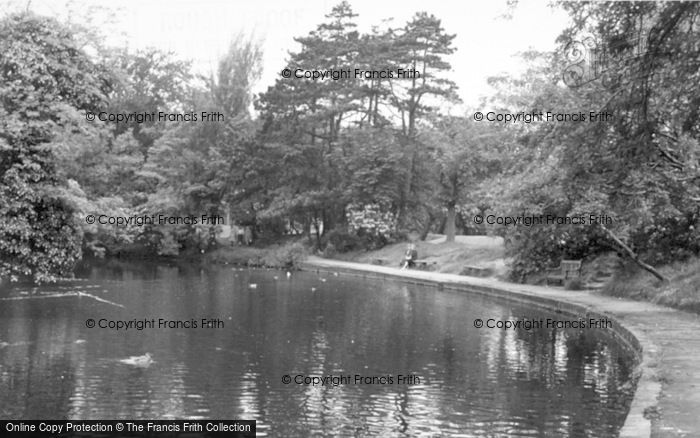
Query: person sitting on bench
{"points": [[410, 257]]}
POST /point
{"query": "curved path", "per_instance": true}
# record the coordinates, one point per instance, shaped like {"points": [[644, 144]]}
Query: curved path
{"points": [[667, 341]]}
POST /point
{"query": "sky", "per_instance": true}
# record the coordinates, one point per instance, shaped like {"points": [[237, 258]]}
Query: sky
{"points": [[200, 30]]}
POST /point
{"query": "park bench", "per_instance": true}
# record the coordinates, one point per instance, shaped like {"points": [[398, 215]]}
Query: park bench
{"points": [[380, 261], [418, 264], [424, 264], [567, 270], [476, 271]]}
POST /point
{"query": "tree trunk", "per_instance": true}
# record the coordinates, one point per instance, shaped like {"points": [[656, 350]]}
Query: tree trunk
{"points": [[317, 229], [450, 226], [407, 192], [404, 190], [427, 227], [633, 256], [307, 224]]}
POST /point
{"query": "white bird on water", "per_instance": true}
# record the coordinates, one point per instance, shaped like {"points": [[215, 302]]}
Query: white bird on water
{"points": [[138, 361], [253, 286], [289, 274]]}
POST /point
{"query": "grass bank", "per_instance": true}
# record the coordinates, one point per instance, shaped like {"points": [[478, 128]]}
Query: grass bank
{"points": [[627, 280], [605, 272], [682, 291], [450, 257], [285, 255]]}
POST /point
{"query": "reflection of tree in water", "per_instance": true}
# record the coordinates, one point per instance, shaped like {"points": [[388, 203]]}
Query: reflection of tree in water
{"points": [[484, 382], [448, 349], [547, 359], [37, 373]]}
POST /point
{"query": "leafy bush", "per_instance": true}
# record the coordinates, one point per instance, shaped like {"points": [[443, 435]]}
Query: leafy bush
{"points": [[329, 251], [287, 256], [538, 248], [573, 284], [669, 240], [239, 255], [342, 241], [373, 223]]}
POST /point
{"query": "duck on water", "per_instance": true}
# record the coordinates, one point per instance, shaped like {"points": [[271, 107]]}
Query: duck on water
{"points": [[138, 361]]}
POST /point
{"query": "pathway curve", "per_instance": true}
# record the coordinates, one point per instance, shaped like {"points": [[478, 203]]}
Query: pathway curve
{"points": [[667, 400]]}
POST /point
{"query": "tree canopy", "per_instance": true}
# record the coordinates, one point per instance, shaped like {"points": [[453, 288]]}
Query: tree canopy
{"points": [[356, 161], [44, 81]]}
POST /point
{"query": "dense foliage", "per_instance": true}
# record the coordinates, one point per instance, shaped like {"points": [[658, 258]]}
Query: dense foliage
{"points": [[642, 168], [44, 81], [353, 163]]}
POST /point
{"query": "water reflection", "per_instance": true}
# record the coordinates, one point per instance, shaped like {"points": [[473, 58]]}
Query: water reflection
{"points": [[473, 382]]}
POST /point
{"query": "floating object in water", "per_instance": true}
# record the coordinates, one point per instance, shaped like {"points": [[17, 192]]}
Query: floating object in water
{"points": [[12, 344], [323, 280], [276, 277], [253, 286], [313, 289], [63, 295], [335, 274], [138, 361], [80, 341]]}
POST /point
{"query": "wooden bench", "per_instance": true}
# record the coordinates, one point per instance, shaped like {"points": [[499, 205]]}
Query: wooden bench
{"points": [[379, 261], [568, 269], [423, 264], [476, 271], [418, 264]]}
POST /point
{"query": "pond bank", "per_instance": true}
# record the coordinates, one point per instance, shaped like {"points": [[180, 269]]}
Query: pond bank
{"points": [[667, 341]]}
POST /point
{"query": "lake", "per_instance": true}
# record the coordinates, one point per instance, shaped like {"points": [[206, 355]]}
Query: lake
{"points": [[424, 369]]}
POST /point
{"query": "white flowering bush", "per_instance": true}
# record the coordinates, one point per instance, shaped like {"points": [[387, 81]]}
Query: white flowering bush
{"points": [[373, 222]]}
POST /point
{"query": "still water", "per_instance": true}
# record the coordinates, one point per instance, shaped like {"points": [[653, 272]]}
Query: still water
{"points": [[467, 382]]}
